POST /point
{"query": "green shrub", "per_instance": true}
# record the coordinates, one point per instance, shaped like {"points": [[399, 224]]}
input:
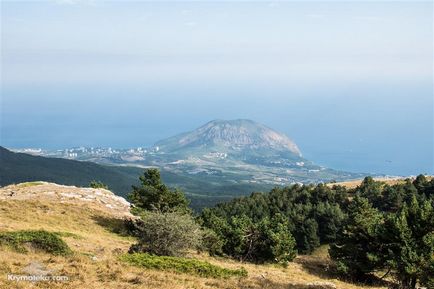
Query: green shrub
{"points": [[29, 184], [258, 241], [166, 234], [68, 235], [211, 243], [42, 240], [98, 185], [181, 265]]}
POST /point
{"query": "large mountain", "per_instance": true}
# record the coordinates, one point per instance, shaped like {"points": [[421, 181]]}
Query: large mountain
{"points": [[238, 151], [221, 152], [233, 136], [219, 160]]}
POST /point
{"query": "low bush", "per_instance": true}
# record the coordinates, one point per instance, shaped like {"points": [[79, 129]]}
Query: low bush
{"points": [[98, 185], [181, 265], [211, 243], [42, 240], [166, 234], [68, 235], [29, 184]]}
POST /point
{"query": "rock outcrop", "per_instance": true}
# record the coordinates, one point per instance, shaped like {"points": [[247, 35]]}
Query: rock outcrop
{"points": [[49, 192]]}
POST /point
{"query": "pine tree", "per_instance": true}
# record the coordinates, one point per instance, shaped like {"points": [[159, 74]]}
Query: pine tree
{"points": [[356, 250], [408, 238], [154, 195], [281, 244], [329, 218], [309, 236], [371, 190]]}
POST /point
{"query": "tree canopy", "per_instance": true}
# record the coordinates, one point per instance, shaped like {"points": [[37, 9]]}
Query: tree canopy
{"points": [[153, 194], [371, 228]]}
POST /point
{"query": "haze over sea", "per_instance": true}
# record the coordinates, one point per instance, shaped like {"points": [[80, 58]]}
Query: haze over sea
{"points": [[350, 83]]}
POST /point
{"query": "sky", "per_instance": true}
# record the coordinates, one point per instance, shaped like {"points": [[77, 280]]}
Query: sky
{"points": [[350, 82]]}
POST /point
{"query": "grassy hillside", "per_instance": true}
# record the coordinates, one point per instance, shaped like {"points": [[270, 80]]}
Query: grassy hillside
{"points": [[93, 234]]}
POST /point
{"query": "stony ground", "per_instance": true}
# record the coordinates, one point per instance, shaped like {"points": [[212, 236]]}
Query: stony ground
{"points": [[43, 191]]}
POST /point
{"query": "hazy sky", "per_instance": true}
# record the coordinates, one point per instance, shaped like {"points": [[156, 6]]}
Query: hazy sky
{"points": [[350, 82]]}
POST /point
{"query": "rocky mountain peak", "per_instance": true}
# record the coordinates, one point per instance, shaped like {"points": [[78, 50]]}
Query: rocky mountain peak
{"points": [[239, 133]]}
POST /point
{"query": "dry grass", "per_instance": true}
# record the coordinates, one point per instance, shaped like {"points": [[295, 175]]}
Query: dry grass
{"points": [[355, 183], [95, 263]]}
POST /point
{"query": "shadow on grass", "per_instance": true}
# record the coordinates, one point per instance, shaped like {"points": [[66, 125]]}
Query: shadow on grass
{"points": [[114, 225], [318, 266], [325, 269], [261, 283]]}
